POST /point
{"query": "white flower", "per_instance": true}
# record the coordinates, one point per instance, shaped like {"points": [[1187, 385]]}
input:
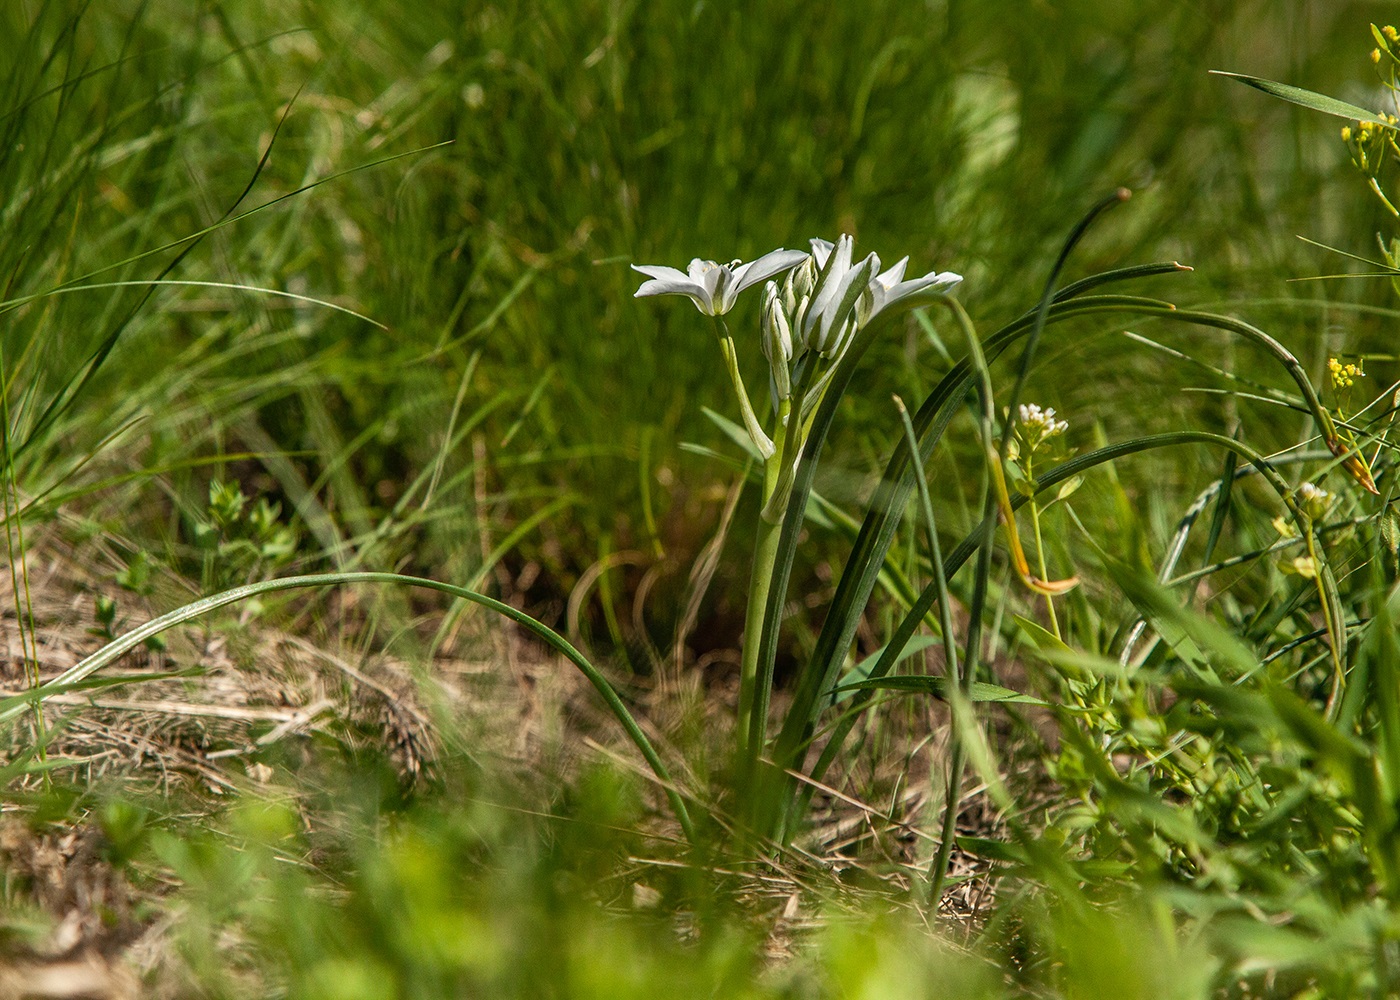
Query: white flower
{"points": [[889, 289], [881, 290], [714, 287], [826, 318], [1314, 499]]}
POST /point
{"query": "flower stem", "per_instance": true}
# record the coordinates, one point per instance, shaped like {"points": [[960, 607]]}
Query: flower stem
{"points": [[1040, 558], [765, 556]]}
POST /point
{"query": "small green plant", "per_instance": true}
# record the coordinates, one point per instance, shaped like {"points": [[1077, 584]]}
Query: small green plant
{"points": [[241, 542]]}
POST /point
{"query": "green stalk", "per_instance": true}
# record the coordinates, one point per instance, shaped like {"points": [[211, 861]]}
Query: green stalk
{"points": [[765, 556], [756, 674], [1040, 549]]}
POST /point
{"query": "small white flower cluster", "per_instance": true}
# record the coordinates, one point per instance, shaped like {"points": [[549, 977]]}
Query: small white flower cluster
{"points": [[1036, 426], [1314, 499]]}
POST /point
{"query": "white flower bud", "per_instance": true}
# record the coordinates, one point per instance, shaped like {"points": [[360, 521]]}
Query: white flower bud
{"points": [[864, 306], [777, 329], [799, 314], [1315, 500]]}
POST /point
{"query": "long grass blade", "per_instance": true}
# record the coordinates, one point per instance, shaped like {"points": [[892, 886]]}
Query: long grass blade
{"points": [[113, 651]]}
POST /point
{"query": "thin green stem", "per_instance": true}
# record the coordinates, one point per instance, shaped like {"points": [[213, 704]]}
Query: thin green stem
{"points": [[1376, 188], [15, 548], [1040, 561], [938, 874]]}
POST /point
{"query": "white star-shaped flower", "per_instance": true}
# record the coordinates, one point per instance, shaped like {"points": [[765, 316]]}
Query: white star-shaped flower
{"points": [[714, 287]]}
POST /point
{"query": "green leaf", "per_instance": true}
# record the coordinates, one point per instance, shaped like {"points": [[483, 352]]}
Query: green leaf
{"points": [[734, 432], [993, 850], [1068, 488], [1309, 99], [1041, 638], [938, 687], [861, 671]]}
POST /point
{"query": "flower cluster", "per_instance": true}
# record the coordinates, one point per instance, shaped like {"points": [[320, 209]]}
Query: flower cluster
{"points": [[1372, 141], [1368, 142], [1314, 500], [1344, 376], [808, 322], [1036, 426], [826, 298]]}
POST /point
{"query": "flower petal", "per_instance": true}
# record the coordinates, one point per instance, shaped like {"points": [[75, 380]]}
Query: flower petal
{"points": [[699, 268], [660, 272], [927, 287], [670, 281], [895, 274], [772, 263], [829, 284]]}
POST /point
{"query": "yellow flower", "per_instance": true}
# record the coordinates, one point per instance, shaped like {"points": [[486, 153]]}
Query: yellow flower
{"points": [[1344, 376]]}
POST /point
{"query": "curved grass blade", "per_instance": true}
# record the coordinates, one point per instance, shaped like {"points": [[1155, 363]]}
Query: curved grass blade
{"points": [[232, 286], [115, 650], [1222, 505]]}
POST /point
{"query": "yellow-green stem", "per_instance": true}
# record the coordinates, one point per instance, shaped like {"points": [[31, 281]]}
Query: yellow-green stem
{"points": [[1040, 559]]}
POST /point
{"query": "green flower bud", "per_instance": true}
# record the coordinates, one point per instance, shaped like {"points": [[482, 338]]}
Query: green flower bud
{"points": [[777, 340], [799, 283]]}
